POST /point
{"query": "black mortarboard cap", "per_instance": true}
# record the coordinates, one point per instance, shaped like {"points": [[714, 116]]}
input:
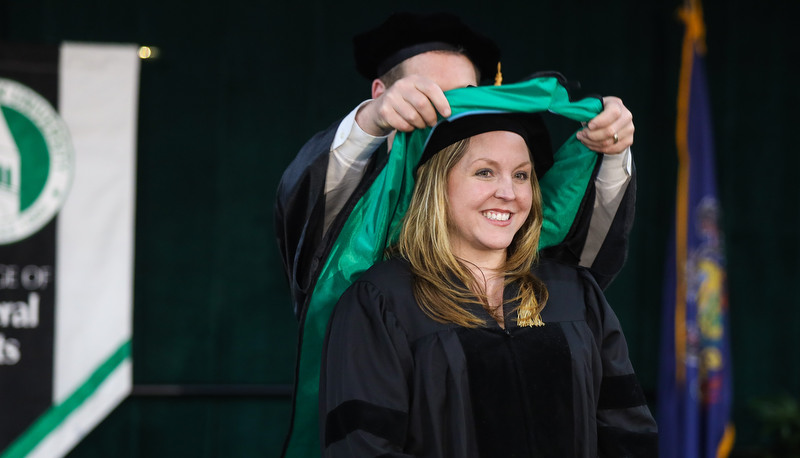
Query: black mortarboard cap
{"points": [[530, 126], [404, 35]]}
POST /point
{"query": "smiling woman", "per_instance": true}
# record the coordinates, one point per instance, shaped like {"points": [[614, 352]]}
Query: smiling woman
{"points": [[489, 191], [486, 193], [447, 348], [490, 195]]}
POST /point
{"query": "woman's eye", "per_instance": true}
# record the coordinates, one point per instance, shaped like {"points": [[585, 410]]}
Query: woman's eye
{"points": [[522, 175], [484, 173]]}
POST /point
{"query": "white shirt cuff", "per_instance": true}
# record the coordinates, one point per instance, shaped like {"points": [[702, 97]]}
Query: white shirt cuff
{"points": [[616, 167], [351, 143]]}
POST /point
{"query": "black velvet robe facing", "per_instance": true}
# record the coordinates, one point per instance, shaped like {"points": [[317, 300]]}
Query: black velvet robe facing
{"points": [[396, 383]]}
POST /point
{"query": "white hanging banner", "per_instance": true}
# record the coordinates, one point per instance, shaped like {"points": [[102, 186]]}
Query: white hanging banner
{"points": [[67, 198]]}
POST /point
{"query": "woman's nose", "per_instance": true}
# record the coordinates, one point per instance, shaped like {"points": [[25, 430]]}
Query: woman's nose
{"points": [[505, 189]]}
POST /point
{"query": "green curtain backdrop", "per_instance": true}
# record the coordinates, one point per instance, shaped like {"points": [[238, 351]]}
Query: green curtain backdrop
{"points": [[240, 85]]}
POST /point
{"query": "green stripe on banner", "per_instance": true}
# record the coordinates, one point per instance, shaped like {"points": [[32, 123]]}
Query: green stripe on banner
{"points": [[54, 416]]}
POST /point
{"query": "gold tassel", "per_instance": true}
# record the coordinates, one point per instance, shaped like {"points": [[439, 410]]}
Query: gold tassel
{"points": [[498, 78]]}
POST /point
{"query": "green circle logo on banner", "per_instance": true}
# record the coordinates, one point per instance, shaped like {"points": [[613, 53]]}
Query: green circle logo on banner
{"points": [[37, 162]]}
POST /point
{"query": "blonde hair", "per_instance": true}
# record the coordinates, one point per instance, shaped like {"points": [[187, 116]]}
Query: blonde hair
{"points": [[441, 281]]}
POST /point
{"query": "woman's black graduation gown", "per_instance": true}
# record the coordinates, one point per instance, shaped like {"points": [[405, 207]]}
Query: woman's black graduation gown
{"points": [[396, 383]]}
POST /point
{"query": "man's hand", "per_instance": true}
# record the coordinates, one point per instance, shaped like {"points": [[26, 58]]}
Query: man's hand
{"points": [[611, 131], [410, 103]]}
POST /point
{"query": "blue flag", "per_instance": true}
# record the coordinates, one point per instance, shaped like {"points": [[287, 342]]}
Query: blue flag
{"points": [[695, 379]]}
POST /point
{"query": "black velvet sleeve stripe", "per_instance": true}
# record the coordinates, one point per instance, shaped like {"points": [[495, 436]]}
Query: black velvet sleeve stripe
{"points": [[355, 415], [620, 392], [616, 442]]}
